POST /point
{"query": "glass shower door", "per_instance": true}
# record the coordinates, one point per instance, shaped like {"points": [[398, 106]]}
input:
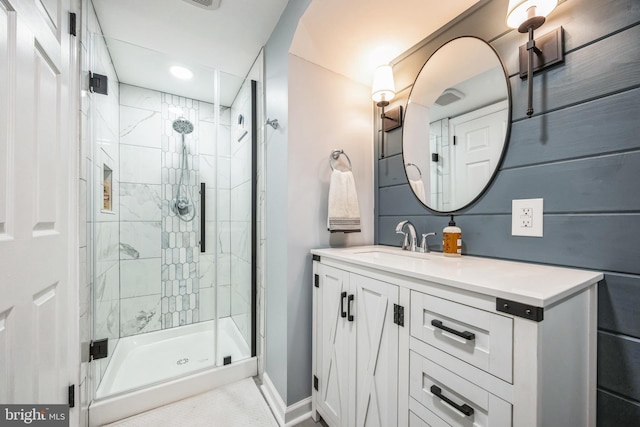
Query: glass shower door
{"points": [[172, 198], [236, 222]]}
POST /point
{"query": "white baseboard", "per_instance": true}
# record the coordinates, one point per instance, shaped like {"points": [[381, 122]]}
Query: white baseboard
{"points": [[286, 416]]}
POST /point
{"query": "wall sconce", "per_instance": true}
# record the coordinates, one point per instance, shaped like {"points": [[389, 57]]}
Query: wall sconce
{"points": [[383, 90], [526, 16]]}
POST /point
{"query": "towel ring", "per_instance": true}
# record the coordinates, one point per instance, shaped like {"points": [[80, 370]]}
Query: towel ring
{"points": [[415, 166], [335, 155]]}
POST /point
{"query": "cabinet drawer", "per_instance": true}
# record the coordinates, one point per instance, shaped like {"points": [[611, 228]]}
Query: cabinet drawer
{"points": [[419, 416], [453, 399], [480, 338]]}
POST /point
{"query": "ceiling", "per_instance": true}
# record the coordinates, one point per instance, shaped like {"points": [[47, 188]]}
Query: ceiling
{"points": [[350, 38], [177, 32], [353, 37]]}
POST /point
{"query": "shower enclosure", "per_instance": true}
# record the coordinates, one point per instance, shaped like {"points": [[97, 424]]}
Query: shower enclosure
{"points": [[172, 226]]}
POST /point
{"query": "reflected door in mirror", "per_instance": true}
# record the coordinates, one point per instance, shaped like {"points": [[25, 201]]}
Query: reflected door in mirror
{"points": [[456, 124]]}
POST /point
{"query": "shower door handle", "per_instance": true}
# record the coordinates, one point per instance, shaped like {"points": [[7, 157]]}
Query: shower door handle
{"points": [[202, 217]]}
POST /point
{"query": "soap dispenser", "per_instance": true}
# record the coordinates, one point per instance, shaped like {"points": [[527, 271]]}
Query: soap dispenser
{"points": [[452, 239]]}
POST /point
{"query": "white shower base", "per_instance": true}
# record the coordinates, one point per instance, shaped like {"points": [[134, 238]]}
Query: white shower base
{"points": [[165, 366]]}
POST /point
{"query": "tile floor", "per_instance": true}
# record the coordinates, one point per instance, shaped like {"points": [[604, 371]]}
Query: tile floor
{"points": [[310, 423], [235, 405]]}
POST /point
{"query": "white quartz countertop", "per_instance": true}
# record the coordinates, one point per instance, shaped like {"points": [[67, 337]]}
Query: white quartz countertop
{"points": [[534, 284]]}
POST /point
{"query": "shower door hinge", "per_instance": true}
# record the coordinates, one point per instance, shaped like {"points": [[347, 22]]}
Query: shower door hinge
{"points": [[398, 315], [315, 382], [98, 349], [98, 83], [72, 24], [72, 396]]}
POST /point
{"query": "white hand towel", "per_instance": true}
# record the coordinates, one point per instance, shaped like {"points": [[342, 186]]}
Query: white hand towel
{"points": [[418, 188], [344, 212]]}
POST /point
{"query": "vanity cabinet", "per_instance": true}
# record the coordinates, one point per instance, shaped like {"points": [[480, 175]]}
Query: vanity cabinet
{"points": [[355, 349], [436, 341]]}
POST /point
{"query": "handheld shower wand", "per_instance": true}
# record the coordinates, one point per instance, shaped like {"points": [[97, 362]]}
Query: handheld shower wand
{"points": [[182, 203]]}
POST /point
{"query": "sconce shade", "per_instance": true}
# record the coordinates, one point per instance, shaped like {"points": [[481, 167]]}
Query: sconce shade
{"points": [[383, 89], [519, 11]]}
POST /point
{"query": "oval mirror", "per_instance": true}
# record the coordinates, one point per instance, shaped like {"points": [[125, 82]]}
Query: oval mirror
{"points": [[456, 124]]}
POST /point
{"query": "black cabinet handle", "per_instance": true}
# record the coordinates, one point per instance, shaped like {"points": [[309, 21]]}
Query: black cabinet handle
{"points": [[349, 301], [469, 336], [464, 408], [342, 297]]}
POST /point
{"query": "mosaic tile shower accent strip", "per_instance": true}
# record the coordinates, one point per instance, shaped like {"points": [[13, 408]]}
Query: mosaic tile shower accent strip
{"points": [[180, 238]]}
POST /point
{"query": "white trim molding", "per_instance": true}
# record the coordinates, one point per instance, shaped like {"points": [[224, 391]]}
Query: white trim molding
{"points": [[286, 416]]}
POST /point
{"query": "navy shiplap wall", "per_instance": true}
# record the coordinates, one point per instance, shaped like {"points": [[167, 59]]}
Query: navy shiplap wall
{"points": [[580, 152]]}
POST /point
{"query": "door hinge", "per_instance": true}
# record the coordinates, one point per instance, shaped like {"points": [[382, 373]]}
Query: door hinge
{"points": [[398, 315], [72, 396], [98, 349], [72, 24], [316, 257], [315, 383], [98, 83], [316, 281]]}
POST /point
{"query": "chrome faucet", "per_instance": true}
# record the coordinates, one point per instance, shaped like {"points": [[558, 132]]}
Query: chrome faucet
{"points": [[409, 242], [424, 245]]}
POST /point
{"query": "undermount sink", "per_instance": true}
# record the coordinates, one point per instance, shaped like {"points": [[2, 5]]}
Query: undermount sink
{"points": [[395, 253]]}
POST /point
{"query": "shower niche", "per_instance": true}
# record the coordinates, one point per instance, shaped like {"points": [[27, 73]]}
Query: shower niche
{"points": [[176, 177], [107, 185]]}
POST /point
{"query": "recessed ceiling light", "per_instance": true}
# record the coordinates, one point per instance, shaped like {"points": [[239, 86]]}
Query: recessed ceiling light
{"points": [[181, 72]]}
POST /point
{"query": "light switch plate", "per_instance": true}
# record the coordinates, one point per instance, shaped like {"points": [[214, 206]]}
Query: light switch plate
{"points": [[527, 217]]}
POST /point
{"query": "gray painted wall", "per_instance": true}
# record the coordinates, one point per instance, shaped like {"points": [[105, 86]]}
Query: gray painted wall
{"points": [[298, 179], [277, 352], [580, 152]]}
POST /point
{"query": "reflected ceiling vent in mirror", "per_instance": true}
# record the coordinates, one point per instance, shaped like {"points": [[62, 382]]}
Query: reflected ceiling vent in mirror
{"points": [[449, 96], [205, 4]]}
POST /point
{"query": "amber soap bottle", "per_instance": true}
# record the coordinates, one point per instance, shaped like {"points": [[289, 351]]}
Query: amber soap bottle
{"points": [[452, 239]]}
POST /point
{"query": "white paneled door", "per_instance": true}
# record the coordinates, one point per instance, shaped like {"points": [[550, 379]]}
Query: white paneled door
{"points": [[479, 141], [37, 189]]}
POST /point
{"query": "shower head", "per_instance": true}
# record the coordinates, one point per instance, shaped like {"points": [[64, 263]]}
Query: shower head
{"points": [[182, 125]]}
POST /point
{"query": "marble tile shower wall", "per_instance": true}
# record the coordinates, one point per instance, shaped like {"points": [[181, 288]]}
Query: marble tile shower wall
{"points": [[215, 263], [240, 212], [140, 206], [165, 281], [180, 237]]}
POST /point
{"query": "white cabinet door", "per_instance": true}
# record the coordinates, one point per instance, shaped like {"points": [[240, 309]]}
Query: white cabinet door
{"points": [[356, 350], [376, 367], [332, 351]]}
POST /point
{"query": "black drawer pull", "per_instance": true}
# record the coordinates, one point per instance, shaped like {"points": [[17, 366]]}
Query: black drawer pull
{"points": [[469, 336], [349, 301], [342, 297], [464, 408]]}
